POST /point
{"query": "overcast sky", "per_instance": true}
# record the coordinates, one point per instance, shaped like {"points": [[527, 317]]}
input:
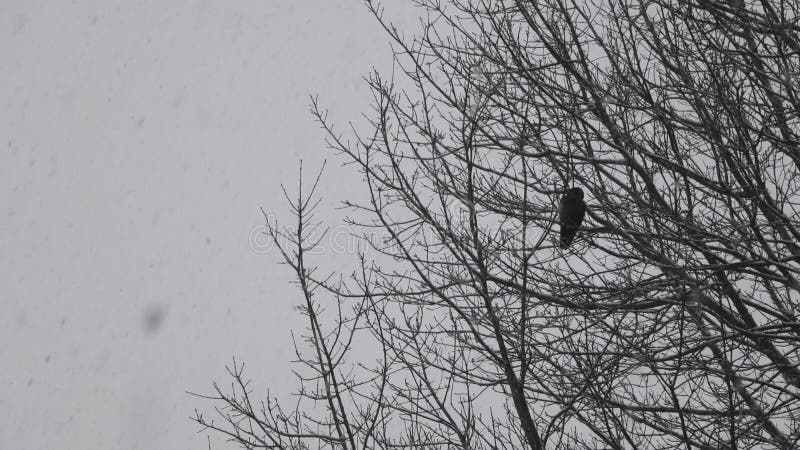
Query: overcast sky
{"points": [[139, 140]]}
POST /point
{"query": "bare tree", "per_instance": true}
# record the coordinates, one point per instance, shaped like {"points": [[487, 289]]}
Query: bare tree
{"points": [[671, 320]]}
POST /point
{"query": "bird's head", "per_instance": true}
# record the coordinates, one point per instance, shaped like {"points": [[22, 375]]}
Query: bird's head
{"points": [[576, 193]]}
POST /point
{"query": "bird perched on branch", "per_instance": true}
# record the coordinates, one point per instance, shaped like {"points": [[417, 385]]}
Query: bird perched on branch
{"points": [[570, 212]]}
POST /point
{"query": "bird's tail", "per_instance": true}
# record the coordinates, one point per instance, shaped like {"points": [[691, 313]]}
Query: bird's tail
{"points": [[566, 240]]}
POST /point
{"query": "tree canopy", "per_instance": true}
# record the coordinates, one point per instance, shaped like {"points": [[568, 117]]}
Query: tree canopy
{"points": [[670, 321]]}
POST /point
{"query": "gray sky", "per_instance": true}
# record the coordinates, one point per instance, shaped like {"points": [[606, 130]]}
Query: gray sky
{"points": [[139, 140]]}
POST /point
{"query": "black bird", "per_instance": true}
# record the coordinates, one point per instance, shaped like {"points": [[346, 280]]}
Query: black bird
{"points": [[570, 213]]}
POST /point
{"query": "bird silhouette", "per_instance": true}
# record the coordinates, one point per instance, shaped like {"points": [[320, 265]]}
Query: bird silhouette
{"points": [[570, 212]]}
